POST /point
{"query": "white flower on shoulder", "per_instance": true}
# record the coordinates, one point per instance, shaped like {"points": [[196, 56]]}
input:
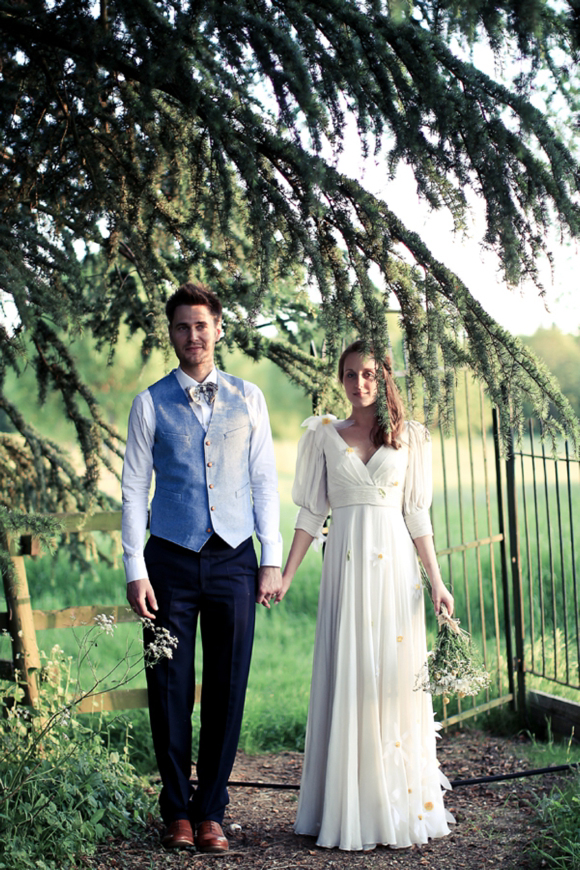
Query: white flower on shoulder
{"points": [[316, 420], [378, 557]]}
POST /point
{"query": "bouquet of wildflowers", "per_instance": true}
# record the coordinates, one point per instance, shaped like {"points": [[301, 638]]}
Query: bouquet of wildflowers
{"points": [[453, 666]]}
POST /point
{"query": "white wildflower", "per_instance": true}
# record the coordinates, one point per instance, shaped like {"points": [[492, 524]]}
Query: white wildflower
{"points": [[105, 623], [453, 666], [162, 645]]}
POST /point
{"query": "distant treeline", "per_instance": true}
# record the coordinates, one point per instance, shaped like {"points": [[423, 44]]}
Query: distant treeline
{"points": [[561, 353], [116, 384]]}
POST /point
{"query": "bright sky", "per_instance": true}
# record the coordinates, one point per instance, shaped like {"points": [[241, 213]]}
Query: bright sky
{"points": [[521, 311]]}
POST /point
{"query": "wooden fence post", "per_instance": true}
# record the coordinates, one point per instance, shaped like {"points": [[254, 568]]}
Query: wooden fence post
{"points": [[21, 623]]}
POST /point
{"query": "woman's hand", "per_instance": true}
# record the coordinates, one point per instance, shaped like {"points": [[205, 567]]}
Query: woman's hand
{"points": [[441, 597], [286, 581], [300, 543]]}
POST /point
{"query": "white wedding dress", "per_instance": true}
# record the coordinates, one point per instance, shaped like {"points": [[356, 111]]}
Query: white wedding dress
{"points": [[370, 770]]}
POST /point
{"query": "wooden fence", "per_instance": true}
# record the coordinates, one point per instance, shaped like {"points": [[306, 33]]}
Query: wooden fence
{"points": [[22, 622]]}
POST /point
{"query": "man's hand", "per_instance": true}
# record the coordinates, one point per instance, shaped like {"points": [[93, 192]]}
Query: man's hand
{"points": [[140, 594], [269, 585]]}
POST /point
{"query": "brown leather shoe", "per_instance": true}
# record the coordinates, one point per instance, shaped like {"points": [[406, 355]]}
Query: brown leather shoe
{"points": [[209, 837], [179, 835]]}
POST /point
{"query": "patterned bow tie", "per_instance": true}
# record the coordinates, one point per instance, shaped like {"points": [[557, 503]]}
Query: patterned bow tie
{"points": [[208, 391]]}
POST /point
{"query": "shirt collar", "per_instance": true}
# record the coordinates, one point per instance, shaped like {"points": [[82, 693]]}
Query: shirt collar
{"points": [[187, 381]]}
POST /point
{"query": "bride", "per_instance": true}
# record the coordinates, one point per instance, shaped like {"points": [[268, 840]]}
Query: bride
{"points": [[370, 772]]}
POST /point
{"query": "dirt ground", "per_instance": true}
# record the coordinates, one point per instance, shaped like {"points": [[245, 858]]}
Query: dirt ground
{"points": [[495, 822]]}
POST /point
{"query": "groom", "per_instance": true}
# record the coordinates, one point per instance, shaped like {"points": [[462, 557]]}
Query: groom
{"points": [[206, 435]]}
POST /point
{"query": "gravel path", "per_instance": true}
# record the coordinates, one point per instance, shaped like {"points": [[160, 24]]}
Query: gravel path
{"points": [[495, 822]]}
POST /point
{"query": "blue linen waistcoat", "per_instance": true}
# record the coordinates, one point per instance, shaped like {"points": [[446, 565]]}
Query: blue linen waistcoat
{"points": [[202, 479]]}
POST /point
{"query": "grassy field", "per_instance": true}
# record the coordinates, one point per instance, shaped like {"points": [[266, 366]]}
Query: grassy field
{"points": [[279, 683]]}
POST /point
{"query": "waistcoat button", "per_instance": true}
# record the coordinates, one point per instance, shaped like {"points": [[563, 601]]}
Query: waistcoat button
{"points": [[208, 443], [211, 486], [209, 465], [212, 508]]}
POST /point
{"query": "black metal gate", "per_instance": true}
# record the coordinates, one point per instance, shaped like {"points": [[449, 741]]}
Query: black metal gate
{"points": [[543, 490], [506, 533], [471, 541]]}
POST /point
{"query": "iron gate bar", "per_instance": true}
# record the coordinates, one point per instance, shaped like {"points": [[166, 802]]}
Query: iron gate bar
{"points": [[551, 552], [539, 553], [563, 570], [447, 528], [481, 708], [554, 508], [491, 549], [446, 504], [476, 531], [503, 552], [471, 545], [517, 587], [529, 563], [461, 518], [573, 554]]}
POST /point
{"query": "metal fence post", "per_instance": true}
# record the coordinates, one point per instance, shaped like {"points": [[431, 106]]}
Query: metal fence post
{"points": [[516, 570], [503, 554]]}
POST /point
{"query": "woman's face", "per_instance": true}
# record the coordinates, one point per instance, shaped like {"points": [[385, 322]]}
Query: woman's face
{"points": [[360, 380]]}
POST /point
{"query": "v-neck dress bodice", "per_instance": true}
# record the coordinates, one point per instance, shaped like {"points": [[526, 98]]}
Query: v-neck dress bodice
{"points": [[370, 771]]}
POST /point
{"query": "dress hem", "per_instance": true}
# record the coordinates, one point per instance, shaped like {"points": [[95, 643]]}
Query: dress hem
{"points": [[369, 847]]}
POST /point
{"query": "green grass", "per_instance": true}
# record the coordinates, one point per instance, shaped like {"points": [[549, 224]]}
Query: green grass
{"points": [[280, 677], [278, 691], [558, 845]]}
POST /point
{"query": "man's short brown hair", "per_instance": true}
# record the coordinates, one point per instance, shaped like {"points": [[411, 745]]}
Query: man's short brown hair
{"points": [[192, 293]]}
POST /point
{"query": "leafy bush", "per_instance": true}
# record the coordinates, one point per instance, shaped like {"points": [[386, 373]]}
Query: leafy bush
{"points": [[67, 802], [128, 733], [66, 785]]}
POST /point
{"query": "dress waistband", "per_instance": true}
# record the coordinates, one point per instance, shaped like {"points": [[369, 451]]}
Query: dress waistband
{"points": [[381, 496]]}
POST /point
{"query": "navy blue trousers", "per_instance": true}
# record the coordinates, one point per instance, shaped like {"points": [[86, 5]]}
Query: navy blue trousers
{"points": [[218, 586]]}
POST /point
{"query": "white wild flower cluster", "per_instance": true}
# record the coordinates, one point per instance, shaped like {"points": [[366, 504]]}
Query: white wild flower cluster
{"points": [[453, 666], [438, 679], [105, 623], [162, 644]]}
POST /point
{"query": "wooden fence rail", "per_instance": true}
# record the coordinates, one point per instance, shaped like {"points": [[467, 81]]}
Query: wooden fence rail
{"points": [[22, 622]]}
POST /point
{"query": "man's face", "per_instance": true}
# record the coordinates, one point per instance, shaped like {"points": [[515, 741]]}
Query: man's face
{"points": [[193, 333]]}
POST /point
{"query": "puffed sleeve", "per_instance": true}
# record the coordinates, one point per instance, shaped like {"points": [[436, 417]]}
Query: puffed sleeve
{"points": [[309, 489], [418, 482]]}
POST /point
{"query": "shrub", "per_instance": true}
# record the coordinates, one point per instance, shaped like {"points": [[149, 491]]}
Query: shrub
{"points": [[64, 784]]}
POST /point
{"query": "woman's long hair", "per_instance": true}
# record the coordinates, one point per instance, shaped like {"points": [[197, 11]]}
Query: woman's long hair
{"points": [[379, 433]]}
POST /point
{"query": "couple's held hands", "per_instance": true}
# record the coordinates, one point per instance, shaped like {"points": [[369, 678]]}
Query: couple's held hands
{"points": [[269, 585], [140, 596]]}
